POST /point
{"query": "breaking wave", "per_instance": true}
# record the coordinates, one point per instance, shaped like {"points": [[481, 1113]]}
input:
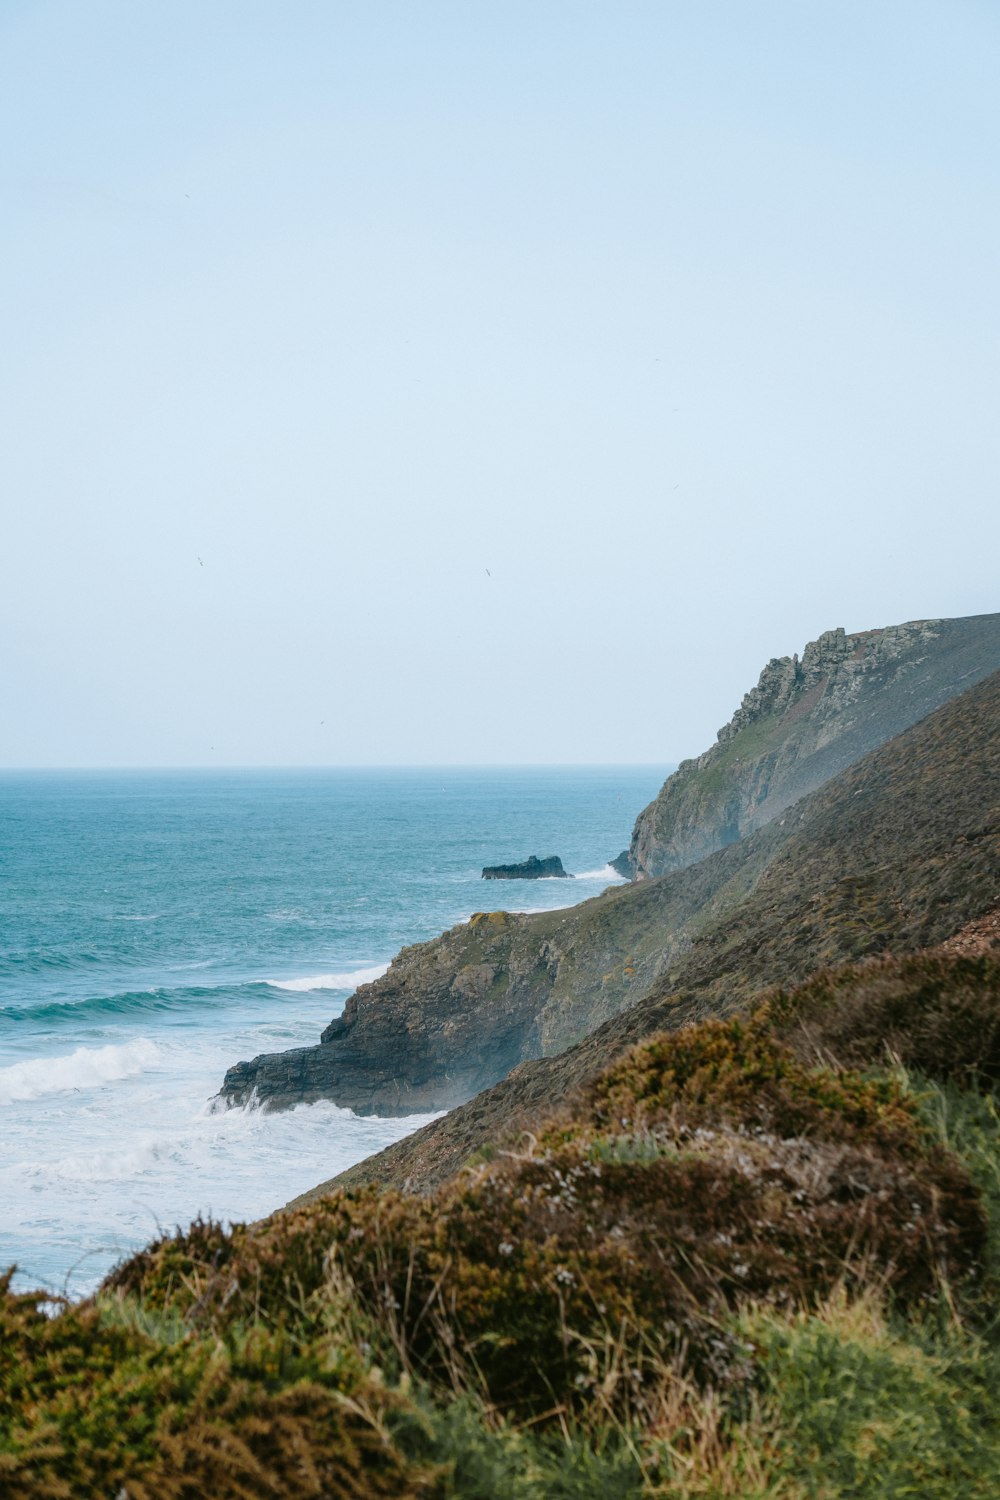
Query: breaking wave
{"points": [[86, 1068], [349, 981], [110, 1007]]}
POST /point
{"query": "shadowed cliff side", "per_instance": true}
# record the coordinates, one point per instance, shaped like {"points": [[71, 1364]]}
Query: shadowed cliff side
{"points": [[900, 852], [805, 721]]}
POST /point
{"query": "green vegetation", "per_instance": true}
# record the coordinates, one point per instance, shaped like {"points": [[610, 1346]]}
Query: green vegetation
{"points": [[755, 1258]]}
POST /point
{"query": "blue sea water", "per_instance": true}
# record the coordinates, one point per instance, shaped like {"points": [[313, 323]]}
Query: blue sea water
{"points": [[157, 926]]}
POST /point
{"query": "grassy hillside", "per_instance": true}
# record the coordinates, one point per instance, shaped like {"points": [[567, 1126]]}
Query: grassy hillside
{"points": [[724, 1269]]}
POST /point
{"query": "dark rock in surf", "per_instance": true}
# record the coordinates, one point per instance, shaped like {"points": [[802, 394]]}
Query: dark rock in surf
{"points": [[532, 868]]}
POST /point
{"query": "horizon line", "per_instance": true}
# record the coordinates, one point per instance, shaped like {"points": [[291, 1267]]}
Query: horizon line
{"points": [[470, 765]]}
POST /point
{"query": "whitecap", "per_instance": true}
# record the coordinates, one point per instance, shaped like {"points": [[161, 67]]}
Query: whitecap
{"points": [[606, 872], [347, 981], [86, 1068]]}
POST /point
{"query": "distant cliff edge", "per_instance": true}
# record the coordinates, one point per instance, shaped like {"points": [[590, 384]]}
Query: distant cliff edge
{"points": [[806, 720]]}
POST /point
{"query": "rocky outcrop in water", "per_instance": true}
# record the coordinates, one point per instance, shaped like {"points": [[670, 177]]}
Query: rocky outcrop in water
{"points": [[531, 868], [805, 721]]}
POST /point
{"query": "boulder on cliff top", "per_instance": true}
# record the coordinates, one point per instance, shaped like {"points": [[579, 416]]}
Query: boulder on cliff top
{"points": [[531, 868]]}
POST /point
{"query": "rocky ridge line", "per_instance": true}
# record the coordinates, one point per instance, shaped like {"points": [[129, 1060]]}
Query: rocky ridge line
{"points": [[806, 720]]}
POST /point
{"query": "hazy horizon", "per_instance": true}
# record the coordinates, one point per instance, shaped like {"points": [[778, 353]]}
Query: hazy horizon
{"points": [[428, 385], [360, 766]]}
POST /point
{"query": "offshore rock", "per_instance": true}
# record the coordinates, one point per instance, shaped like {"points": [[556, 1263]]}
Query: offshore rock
{"points": [[531, 868], [805, 721]]}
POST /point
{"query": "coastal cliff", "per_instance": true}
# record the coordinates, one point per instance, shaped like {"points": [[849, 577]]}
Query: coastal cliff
{"points": [[771, 1178], [451, 1017], [806, 720], [898, 854]]}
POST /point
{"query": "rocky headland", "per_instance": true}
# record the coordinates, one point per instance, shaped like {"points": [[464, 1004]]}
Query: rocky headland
{"points": [[899, 853], [807, 719], [453, 1016]]}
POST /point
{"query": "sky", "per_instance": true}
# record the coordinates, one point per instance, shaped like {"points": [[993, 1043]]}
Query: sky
{"points": [[411, 381]]}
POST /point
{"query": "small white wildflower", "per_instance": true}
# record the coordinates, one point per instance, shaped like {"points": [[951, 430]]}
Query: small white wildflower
{"points": [[506, 1248]]}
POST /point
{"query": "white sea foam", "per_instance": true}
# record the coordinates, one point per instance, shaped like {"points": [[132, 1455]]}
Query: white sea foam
{"points": [[606, 872], [153, 1153], [348, 981], [86, 1068]]}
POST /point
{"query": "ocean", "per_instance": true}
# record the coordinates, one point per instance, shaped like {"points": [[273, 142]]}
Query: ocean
{"points": [[156, 927]]}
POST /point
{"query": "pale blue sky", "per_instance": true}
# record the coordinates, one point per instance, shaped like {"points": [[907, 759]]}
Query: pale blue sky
{"points": [[680, 319]]}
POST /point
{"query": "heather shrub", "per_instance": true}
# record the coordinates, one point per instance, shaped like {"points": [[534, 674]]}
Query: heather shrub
{"points": [[92, 1405], [705, 1168], [649, 1296], [935, 1012]]}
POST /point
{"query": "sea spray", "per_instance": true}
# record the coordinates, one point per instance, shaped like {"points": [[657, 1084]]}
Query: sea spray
{"points": [[85, 1068]]}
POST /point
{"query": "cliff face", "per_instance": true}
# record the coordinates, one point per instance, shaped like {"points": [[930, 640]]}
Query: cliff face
{"points": [[805, 721], [449, 1018], [453, 1016], [897, 854]]}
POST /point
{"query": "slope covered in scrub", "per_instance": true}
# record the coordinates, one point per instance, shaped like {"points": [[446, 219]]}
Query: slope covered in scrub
{"points": [[653, 1293]]}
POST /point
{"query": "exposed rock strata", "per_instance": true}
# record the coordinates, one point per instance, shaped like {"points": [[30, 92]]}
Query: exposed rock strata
{"points": [[805, 721], [452, 1016], [899, 853], [531, 868]]}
